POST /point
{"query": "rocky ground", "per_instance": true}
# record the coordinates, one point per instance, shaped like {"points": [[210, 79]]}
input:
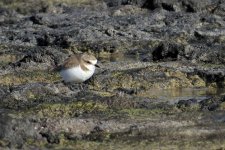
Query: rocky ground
{"points": [[160, 85]]}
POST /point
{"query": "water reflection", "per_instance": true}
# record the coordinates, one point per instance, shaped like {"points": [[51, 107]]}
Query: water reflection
{"points": [[171, 95], [117, 57]]}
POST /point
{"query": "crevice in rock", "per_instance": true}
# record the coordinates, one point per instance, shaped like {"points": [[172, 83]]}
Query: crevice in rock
{"points": [[167, 7], [210, 78], [188, 6], [149, 4], [50, 137], [198, 36], [165, 52], [36, 19], [62, 41], [43, 41], [189, 9]]}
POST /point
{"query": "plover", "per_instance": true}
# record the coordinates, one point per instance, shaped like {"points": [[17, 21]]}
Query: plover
{"points": [[78, 68]]}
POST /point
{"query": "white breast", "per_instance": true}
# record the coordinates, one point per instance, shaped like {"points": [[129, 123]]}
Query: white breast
{"points": [[76, 74]]}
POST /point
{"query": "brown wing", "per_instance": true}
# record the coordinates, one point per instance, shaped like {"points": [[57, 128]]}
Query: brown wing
{"points": [[72, 61], [68, 63]]}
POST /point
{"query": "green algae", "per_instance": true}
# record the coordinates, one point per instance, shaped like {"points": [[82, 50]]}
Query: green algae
{"points": [[71, 109], [134, 113], [7, 58], [31, 142], [4, 143], [193, 108], [155, 110], [211, 65], [29, 77]]}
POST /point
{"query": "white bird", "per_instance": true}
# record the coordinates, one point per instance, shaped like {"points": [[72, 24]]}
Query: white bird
{"points": [[78, 68]]}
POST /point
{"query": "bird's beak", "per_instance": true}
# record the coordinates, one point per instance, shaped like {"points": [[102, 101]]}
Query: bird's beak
{"points": [[97, 66]]}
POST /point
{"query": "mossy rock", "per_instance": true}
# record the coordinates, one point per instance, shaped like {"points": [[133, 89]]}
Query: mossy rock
{"points": [[151, 77]]}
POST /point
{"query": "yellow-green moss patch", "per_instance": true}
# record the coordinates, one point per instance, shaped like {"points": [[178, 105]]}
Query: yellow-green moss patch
{"points": [[8, 58], [136, 113], [28, 77]]}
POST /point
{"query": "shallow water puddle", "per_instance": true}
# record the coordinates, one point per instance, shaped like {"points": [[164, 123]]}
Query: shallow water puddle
{"points": [[174, 95], [162, 94]]}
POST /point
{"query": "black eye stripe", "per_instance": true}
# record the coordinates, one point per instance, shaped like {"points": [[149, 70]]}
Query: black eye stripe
{"points": [[88, 62]]}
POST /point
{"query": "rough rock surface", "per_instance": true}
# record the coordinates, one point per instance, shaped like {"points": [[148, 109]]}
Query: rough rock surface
{"points": [[160, 85]]}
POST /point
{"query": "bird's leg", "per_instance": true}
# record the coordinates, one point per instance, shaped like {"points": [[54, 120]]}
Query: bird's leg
{"points": [[84, 85], [71, 85], [81, 87], [59, 81]]}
